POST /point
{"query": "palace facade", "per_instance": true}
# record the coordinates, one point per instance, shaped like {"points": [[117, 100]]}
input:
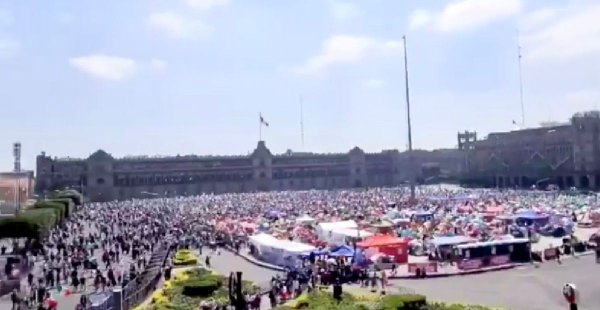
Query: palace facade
{"points": [[102, 177], [566, 155]]}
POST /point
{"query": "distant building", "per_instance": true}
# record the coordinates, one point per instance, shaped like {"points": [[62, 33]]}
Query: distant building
{"points": [[102, 177], [566, 155]]}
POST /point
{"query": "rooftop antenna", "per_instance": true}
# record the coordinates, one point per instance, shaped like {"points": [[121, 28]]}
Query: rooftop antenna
{"points": [[520, 80], [410, 152]]}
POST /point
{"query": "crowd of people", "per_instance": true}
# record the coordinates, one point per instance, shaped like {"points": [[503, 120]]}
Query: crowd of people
{"points": [[108, 244]]}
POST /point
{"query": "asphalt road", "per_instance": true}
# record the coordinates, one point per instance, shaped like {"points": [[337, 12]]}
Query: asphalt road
{"points": [[524, 288], [229, 262]]}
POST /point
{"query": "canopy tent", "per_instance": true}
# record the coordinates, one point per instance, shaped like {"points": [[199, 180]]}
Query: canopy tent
{"points": [[279, 252], [344, 251], [324, 230], [341, 236], [388, 245], [380, 240], [531, 215]]}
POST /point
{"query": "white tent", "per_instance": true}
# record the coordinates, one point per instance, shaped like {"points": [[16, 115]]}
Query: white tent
{"points": [[305, 219], [325, 230], [279, 252], [341, 236]]}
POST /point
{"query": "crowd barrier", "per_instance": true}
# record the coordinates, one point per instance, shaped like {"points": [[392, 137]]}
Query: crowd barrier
{"points": [[135, 292]]}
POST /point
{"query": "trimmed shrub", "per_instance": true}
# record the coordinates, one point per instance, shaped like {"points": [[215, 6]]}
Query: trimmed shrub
{"points": [[391, 302], [18, 228], [43, 218], [58, 208], [67, 204], [71, 194], [203, 287], [402, 302], [185, 258]]}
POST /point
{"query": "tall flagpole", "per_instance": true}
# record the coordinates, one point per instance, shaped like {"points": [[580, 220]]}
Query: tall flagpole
{"points": [[521, 82], [302, 122], [410, 150], [260, 127]]}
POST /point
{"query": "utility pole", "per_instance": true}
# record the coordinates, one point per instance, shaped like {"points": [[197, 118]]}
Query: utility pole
{"points": [[410, 149]]}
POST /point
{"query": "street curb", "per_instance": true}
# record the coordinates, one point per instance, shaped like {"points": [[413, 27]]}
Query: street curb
{"points": [[429, 276], [456, 274], [440, 275], [255, 262]]}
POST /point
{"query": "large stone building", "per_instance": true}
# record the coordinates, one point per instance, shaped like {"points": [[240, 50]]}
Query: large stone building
{"points": [[566, 155], [103, 177]]}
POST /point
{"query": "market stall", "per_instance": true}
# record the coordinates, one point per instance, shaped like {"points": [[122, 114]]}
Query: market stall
{"points": [[388, 245]]}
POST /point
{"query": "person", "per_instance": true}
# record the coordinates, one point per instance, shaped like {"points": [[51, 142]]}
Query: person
{"points": [[273, 297], [15, 299]]}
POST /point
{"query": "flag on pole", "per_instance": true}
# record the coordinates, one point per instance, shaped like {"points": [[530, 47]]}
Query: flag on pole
{"points": [[262, 120], [514, 122]]}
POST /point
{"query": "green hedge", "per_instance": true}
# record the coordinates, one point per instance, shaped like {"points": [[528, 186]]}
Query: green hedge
{"points": [[44, 218], [402, 302], [67, 203], [58, 208], [74, 195], [36, 221], [32, 223], [18, 228], [203, 287]]}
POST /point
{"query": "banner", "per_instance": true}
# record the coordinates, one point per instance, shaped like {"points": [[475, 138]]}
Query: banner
{"points": [[428, 267], [499, 260], [550, 254], [478, 263], [470, 264]]}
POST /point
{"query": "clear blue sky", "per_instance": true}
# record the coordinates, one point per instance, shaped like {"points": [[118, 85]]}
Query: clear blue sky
{"points": [[191, 76]]}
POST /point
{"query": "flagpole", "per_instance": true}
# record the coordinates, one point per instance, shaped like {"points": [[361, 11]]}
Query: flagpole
{"points": [[521, 82], [302, 122], [259, 127], [410, 152]]}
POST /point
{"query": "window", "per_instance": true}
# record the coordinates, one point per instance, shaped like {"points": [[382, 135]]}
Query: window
{"points": [[263, 175], [100, 181]]}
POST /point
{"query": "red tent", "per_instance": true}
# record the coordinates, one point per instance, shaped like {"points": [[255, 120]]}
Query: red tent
{"points": [[388, 245]]}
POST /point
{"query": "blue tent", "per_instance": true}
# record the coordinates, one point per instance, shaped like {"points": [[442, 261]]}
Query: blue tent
{"points": [[315, 253], [343, 251], [531, 215]]}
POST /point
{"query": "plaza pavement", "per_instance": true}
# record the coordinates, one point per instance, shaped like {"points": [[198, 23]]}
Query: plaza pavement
{"points": [[523, 288]]}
